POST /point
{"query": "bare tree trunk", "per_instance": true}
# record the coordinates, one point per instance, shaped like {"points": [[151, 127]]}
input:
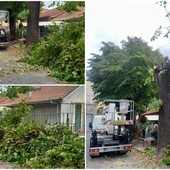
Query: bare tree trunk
{"points": [[12, 25], [163, 79], [33, 22]]}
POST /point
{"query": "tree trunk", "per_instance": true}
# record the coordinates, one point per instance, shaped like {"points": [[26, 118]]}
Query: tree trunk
{"points": [[12, 25], [33, 22], [163, 79]]}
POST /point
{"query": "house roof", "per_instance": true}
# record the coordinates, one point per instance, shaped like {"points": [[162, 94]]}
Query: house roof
{"points": [[43, 93], [2, 99], [70, 15], [47, 14], [56, 15], [151, 112]]}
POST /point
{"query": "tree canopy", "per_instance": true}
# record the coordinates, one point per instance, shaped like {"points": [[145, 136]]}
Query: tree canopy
{"points": [[125, 73], [69, 6], [13, 91], [14, 7]]}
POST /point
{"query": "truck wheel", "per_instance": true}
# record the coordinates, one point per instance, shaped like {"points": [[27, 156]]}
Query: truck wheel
{"points": [[122, 152], [92, 156]]}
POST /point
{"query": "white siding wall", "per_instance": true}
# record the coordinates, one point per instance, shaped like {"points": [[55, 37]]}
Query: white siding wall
{"points": [[76, 97], [46, 111], [91, 105]]}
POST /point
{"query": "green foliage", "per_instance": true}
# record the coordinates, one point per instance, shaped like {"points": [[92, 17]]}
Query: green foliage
{"points": [[166, 159], [14, 116], [69, 6], [62, 51], [167, 150], [150, 152], [125, 72], [14, 7], [162, 30], [13, 91], [23, 15], [60, 156], [147, 124], [155, 104], [31, 145]]}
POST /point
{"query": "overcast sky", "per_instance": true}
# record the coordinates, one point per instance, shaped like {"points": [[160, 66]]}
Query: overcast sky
{"points": [[115, 20]]}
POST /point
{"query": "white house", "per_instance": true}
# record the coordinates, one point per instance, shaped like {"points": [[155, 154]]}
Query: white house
{"points": [[55, 104]]}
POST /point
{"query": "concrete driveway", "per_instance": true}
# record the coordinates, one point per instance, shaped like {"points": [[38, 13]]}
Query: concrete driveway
{"points": [[132, 160], [14, 72]]}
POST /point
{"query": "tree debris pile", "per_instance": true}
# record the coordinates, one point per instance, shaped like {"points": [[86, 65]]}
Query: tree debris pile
{"points": [[23, 141]]}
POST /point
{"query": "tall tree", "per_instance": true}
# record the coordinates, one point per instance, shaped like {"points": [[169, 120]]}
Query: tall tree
{"points": [[163, 79], [33, 22], [136, 46], [162, 75], [124, 73]]}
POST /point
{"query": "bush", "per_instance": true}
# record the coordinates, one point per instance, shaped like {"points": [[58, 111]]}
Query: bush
{"points": [[64, 156], [150, 152], [34, 146], [62, 52], [166, 159]]}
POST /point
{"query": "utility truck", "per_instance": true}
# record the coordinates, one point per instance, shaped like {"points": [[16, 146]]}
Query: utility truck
{"points": [[112, 128], [4, 29]]}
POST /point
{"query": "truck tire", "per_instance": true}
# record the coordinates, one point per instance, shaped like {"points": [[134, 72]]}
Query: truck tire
{"points": [[92, 156], [122, 152]]}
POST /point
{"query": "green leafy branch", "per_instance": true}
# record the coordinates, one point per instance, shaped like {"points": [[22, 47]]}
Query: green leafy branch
{"points": [[159, 31]]}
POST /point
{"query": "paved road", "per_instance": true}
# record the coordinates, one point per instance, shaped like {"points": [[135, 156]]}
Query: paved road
{"points": [[14, 72], [132, 160]]}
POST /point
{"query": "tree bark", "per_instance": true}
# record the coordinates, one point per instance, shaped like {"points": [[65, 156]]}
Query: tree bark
{"points": [[33, 22], [163, 80], [12, 24]]}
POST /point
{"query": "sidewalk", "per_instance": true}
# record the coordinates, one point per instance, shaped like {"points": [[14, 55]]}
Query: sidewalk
{"points": [[138, 145]]}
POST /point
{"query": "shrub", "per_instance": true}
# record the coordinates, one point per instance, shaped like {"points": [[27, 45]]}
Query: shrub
{"points": [[68, 155], [150, 152], [24, 141], [166, 159], [62, 51]]}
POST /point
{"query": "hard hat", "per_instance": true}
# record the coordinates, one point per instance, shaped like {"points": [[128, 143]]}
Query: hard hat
{"points": [[100, 105]]}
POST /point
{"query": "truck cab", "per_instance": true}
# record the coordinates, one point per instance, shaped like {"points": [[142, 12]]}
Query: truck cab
{"points": [[4, 38], [4, 29]]}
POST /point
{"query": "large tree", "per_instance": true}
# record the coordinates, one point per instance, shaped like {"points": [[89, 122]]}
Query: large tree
{"points": [[125, 73], [33, 22], [163, 79], [162, 75]]}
